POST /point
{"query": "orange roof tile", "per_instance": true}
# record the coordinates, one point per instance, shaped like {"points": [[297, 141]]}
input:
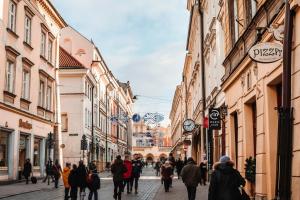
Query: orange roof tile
{"points": [[67, 61]]}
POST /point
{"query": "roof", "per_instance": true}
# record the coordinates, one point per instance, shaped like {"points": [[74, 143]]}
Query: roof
{"points": [[67, 61]]}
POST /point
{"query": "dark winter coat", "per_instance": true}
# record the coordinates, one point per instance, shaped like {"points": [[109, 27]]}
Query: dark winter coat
{"points": [[166, 172], [190, 174], [225, 182], [118, 169], [203, 169], [179, 165], [56, 169], [27, 169], [172, 161], [82, 175], [137, 166], [73, 178], [95, 182]]}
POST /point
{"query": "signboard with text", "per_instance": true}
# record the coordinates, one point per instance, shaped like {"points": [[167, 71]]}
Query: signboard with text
{"points": [[214, 119], [266, 52]]}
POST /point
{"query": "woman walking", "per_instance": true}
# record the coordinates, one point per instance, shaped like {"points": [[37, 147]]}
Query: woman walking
{"points": [[127, 175], [65, 176], [167, 174], [27, 170], [82, 176], [93, 184]]}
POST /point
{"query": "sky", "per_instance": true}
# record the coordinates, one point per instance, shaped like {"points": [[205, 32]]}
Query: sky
{"points": [[142, 41]]}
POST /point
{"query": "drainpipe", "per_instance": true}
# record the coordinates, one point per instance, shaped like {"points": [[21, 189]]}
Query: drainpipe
{"points": [[92, 124]]}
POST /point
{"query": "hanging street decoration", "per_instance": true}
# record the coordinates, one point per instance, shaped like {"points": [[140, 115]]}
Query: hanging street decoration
{"points": [[153, 118], [136, 118]]}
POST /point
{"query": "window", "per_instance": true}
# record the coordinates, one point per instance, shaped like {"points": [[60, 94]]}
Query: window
{"points": [[12, 16], [50, 50], [86, 118], [49, 97], [25, 84], [64, 122], [36, 152], [43, 44], [233, 23], [10, 76], [27, 31], [4, 139], [42, 94], [251, 7]]}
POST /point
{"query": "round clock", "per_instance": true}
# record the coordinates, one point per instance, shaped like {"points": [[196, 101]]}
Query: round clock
{"points": [[188, 125]]}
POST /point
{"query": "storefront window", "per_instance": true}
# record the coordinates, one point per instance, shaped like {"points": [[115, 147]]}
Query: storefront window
{"points": [[3, 149], [36, 152]]}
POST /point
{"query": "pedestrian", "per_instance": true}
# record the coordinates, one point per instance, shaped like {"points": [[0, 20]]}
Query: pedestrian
{"points": [[157, 167], [136, 173], [49, 172], [27, 170], [57, 171], [190, 175], [82, 178], [127, 175], [118, 169], [65, 176], [167, 174], [73, 181], [179, 166], [173, 163], [203, 172], [226, 182], [92, 165], [93, 184]]}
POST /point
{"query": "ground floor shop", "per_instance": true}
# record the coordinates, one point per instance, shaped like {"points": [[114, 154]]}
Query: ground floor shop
{"points": [[22, 137]]}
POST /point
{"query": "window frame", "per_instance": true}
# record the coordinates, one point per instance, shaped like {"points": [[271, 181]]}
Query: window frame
{"points": [[10, 62], [50, 50], [41, 101], [48, 96], [43, 43], [24, 90], [27, 38], [12, 23]]}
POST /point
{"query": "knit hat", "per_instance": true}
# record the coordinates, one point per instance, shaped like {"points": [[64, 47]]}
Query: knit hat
{"points": [[224, 159]]}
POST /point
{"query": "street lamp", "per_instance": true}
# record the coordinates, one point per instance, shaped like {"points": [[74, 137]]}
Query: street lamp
{"points": [[83, 145]]}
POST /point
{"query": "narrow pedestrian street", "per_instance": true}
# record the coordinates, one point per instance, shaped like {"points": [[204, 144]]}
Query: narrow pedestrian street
{"points": [[150, 188]]}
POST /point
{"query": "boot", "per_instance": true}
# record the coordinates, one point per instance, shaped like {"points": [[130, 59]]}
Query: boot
{"points": [[135, 191]]}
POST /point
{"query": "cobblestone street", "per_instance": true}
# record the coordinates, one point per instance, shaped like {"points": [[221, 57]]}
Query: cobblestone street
{"points": [[150, 188]]}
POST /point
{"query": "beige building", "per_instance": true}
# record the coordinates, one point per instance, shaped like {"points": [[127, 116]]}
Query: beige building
{"points": [[94, 103], [28, 79], [151, 142], [253, 91]]}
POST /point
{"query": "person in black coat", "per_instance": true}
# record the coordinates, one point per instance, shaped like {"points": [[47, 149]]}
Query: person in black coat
{"points": [[82, 176], [57, 171], [203, 173], [73, 180], [179, 166], [225, 181], [118, 169], [27, 170], [93, 184], [137, 166]]}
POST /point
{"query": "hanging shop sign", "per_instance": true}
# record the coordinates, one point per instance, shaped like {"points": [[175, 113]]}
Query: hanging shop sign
{"points": [[266, 52], [214, 119]]}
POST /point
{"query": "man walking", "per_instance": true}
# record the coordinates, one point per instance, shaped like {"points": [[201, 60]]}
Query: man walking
{"points": [[191, 177], [73, 180], [136, 173], [65, 176], [203, 172], [57, 171], [93, 184], [118, 169], [179, 166], [49, 172], [82, 176]]}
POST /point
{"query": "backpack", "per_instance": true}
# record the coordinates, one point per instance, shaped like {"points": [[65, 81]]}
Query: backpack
{"points": [[96, 182]]}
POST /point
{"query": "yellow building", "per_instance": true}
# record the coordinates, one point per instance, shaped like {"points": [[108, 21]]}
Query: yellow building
{"points": [[253, 91]]}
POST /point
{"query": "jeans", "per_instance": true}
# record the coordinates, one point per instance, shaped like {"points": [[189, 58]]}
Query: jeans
{"points": [[191, 192], [67, 190], [127, 182], [118, 186], [167, 183], [73, 193], [136, 183], [95, 193], [82, 193], [56, 182]]}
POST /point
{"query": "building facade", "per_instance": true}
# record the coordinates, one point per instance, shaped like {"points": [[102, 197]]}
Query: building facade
{"points": [[253, 91], [28, 85]]}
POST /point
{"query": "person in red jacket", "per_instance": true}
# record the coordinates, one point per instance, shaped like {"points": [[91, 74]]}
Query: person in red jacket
{"points": [[127, 174]]}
